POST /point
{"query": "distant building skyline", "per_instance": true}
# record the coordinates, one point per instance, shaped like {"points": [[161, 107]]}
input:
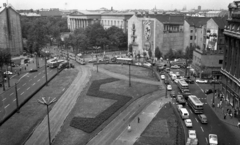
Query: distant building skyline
{"points": [[119, 5]]}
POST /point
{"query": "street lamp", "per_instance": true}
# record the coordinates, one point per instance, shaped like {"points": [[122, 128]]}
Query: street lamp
{"points": [[46, 70], [213, 101], [47, 103], [97, 63], [166, 91], [129, 63]]}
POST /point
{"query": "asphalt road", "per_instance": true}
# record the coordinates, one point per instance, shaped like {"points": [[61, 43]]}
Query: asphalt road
{"points": [[214, 126], [28, 84]]}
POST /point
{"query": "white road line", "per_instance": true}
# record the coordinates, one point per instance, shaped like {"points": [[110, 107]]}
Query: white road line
{"points": [[6, 106], [3, 99], [202, 129], [191, 111], [35, 76], [14, 100], [11, 94], [206, 140], [196, 120], [38, 80], [202, 90], [22, 93], [28, 88], [42, 76], [18, 89], [33, 84], [63, 89], [39, 73], [30, 80], [24, 84]]}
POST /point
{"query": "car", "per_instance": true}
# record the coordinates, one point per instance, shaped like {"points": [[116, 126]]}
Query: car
{"points": [[175, 66], [188, 122], [176, 81], [138, 63], [214, 81], [177, 74], [169, 87], [166, 81], [172, 94], [190, 81], [179, 106], [160, 68], [27, 60], [192, 134], [201, 81], [163, 77], [213, 139], [33, 70], [147, 64], [180, 99], [170, 73], [113, 59], [202, 118], [208, 91], [7, 73]]}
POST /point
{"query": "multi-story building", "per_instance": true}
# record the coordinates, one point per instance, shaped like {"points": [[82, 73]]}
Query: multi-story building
{"points": [[81, 19], [231, 68], [10, 31]]}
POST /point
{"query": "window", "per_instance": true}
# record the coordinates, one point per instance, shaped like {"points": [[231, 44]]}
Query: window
{"points": [[220, 61], [195, 37], [191, 37], [190, 44], [191, 31]]}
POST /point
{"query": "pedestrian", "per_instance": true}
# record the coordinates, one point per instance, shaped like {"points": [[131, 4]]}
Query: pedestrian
{"points": [[25, 68], [20, 69], [225, 115], [129, 128], [238, 124], [138, 120]]}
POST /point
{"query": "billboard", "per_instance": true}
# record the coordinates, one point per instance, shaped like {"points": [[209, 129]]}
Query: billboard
{"points": [[147, 35], [212, 37]]}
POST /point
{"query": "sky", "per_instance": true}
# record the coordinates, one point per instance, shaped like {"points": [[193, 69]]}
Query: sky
{"points": [[118, 4]]}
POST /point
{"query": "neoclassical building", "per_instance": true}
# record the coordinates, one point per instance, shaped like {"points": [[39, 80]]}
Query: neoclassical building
{"points": [[10, 31], [81, 19], [231, 68]]}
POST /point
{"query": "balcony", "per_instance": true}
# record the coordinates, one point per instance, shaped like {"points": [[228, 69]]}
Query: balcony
{"points": [[230, 76]]}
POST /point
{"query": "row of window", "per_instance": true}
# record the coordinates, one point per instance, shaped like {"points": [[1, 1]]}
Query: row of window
{"points": [[111, 22]]}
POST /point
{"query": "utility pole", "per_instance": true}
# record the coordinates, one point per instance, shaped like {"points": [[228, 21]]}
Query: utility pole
{"points": [[129, 74], [16, 92], [45, 60]]}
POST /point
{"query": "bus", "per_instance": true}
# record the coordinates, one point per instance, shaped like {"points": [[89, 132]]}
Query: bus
{"points": [[55, 63], [183, 85], [124, 60], [195, 104]]}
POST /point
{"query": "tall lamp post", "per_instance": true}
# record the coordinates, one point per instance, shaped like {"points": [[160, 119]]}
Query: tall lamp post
{"points": [[213, 101], [48, 102], [97, 63], [129, 63], [46, 70]]}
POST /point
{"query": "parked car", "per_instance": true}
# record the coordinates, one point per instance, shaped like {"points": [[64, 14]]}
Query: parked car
{"points": [[201, 81], [188, 122], [180, 99], [166, 81], [172, 94], [192, 134], [213, 139], [179, 107], [190, 81], [7, 73], [147, 64], [33, 70], [202, 118], [169, 87], [209, 91], [162, 77], [27, 60], [175, 67], [214, 81]]}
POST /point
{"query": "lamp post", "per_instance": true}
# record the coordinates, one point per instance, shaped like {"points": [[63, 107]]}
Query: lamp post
{"points": [[166, 91], [129, 63], [47, 102], [213, 101], [46, 70], [97, 63]]}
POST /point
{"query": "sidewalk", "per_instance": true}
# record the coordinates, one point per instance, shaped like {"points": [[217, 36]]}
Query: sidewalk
{"points": [[219, 111], [130, 137]]}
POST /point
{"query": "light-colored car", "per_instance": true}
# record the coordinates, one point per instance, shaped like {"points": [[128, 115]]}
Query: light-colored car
{"points": [[213, 139], [175, 66], [8, 73], [170, 73], [201, 81], [188, 122], [163, 77], [147, 64], [176, 81], [179, 107], [138, 63], [169, 87], [192, 134]]}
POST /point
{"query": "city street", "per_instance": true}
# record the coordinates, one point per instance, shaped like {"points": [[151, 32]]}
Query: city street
{"points": [[214, 126], [27, 85]]}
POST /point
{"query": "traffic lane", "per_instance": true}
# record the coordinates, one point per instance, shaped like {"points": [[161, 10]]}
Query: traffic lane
{"points": [[214, 125]]}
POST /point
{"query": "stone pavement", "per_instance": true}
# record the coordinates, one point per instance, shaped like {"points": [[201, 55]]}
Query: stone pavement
{"points": [[61, 109], [130, 137]]}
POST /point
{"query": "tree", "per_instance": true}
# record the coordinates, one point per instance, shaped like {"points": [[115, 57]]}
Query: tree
{"points": [[158, 53], [150, 53], [179, 54], [130, 48], [170, 54], [116, 36], [1, 66]]}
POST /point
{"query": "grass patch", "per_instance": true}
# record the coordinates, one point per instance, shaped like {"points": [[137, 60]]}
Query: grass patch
{"points": [[17, 129], [138, 72], [163, 130], [90, 124]]}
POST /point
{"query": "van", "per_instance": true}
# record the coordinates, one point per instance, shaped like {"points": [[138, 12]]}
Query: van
{"points": [[174, 76], [184, 113]]}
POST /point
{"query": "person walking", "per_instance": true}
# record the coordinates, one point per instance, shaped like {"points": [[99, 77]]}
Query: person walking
{"points": [[138, 120], [238, 124], [129, 128]]}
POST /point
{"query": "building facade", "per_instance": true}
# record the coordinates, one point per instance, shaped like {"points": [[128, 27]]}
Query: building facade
{"points": [[10, 31], [231, 68]]}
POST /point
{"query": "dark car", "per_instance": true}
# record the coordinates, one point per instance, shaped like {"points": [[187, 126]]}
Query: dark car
{"points": [[114, 59], [209, 91], [202, 118], [214, 81], [27, 60], [33, 70], [186, 94], [173, 94], [166, 81], [190, 81], [180, 99]]}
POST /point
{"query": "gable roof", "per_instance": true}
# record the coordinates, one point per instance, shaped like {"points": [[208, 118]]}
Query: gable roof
{"points": [[9, 7], [197, 21], [166, 18], [221, 22]]}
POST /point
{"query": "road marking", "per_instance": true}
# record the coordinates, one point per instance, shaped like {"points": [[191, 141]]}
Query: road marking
{"points": [[22, 93], [35, 76], [18, 89], [11, 94], [3, 99], [63, 89], [33, 84], [206, 140], [202, 90], [28, 88], [202, 129], [39, 73], [38, 80], [6, 106], [42, 76], [24, 84], [14, 100], [30, 80], [196, 120]]}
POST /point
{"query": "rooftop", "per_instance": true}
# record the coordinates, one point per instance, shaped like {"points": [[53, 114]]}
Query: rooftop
{"points": [[197, 21]]}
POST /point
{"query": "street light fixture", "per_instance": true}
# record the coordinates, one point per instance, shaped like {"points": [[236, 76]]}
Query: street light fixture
{"points": [[47, 102], [129, 63], [213, 101], [46, 70]]}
